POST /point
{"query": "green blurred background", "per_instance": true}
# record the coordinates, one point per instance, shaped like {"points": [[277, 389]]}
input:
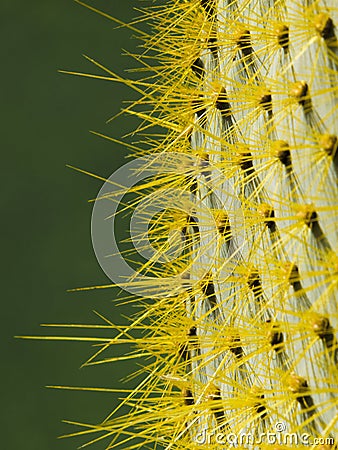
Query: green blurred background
{"points": [[46, 246]]}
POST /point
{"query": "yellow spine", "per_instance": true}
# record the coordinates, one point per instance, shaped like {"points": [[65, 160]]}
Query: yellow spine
{"points": [[244, 351]]}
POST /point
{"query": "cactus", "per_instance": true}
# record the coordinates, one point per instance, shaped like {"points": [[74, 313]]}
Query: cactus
{"points": [[239, 315]]}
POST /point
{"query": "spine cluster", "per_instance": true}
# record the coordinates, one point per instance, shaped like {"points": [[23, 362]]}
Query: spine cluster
{"points": [[245, 93]]}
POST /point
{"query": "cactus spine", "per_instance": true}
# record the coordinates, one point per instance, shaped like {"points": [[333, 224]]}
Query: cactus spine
{"points": [[249, 88]]}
